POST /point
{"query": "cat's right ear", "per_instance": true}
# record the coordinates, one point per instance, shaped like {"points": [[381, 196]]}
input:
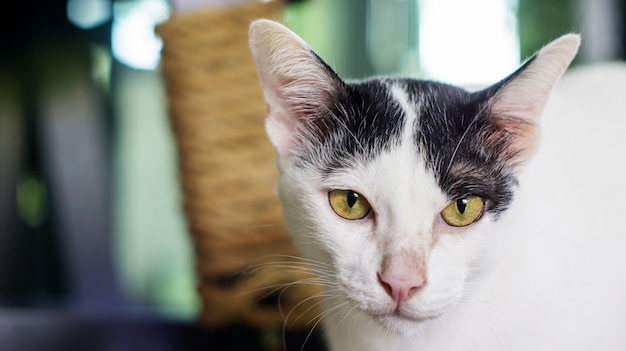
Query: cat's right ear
{"points": [[517, 102], [298, 86]]}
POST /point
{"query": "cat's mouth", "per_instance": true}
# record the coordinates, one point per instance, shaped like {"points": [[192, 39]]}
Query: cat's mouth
{"points": [[398, 314], [401, 321], [404, 319], [403, 316]]}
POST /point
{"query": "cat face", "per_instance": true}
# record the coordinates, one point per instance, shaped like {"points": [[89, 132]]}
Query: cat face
{"points": [[393, 253], [397, 184]]}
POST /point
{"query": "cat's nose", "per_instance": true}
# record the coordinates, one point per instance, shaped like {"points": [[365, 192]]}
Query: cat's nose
{"points": [[400, 287]]}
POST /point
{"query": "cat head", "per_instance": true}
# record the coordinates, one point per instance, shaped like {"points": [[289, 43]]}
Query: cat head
{"points": [[397, 184]]}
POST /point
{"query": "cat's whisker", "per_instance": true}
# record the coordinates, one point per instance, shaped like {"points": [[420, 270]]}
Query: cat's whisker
{"points": [[343, 124], [292, 259], [309, 267], [250, 225], [288, 269], [326, 312], [351, 326], [319, 320], [320, 296], [313, 281], [321, 299], [464, 135], [351, 311], [286, 317], [300, 259], [495, 335]]}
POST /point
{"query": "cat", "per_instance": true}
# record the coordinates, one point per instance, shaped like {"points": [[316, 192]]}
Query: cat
{"points": [[417, 203]]}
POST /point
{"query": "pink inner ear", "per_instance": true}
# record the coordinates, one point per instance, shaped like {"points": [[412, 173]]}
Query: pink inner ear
{"points": [[520, 134], [281, 131], [519, 104], [297, 85]]}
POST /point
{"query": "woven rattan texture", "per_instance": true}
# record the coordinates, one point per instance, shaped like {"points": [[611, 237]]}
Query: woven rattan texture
{"points": [[227, 170]]}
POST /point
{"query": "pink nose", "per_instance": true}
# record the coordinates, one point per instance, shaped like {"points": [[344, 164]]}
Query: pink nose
{"points": [[401, 287]]}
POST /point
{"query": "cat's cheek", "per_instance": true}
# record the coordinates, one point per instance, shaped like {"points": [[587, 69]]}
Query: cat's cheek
{"points": [[353, 249], [446, 232], [453, 258]]}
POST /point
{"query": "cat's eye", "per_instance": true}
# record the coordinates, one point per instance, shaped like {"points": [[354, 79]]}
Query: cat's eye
{"points": [[463, 212], [348, 204]]}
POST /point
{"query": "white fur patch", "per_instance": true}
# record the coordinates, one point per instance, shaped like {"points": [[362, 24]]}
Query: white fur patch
{"points": [[410, 112]]}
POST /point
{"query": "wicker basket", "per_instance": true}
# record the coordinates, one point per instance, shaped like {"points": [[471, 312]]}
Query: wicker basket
{"points": [[227, 170]]}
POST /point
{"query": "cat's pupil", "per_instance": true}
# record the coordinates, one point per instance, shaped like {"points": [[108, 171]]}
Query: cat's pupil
{"points": [[461, 204], [351, 198]]}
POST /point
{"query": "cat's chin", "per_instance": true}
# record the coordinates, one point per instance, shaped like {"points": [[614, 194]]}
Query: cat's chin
{"points": [[399, 323]]}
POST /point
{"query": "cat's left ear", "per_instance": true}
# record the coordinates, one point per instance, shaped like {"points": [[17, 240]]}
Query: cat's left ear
{"points": [[299, 87], [517, 102]]}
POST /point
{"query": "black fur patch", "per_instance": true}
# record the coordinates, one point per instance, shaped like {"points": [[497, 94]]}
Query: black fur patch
{"points": [[452, 131], [363, 122]]}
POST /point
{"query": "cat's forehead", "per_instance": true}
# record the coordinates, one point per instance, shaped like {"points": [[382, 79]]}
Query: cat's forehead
{"points": [[378, 115], [442, 125], [371, 116]]}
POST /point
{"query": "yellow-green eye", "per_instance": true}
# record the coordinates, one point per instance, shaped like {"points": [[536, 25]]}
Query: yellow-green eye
{"points": [[463, 211], [348, 204]]}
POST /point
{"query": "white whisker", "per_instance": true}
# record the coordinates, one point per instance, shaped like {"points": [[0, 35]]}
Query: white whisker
{"points": [[458, 144]]}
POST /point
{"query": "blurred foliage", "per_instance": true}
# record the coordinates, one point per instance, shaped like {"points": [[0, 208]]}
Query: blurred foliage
{"points": [[540, 21]]}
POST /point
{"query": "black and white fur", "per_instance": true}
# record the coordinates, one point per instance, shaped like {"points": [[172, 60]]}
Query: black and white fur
{"points": [[411, 147]]}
